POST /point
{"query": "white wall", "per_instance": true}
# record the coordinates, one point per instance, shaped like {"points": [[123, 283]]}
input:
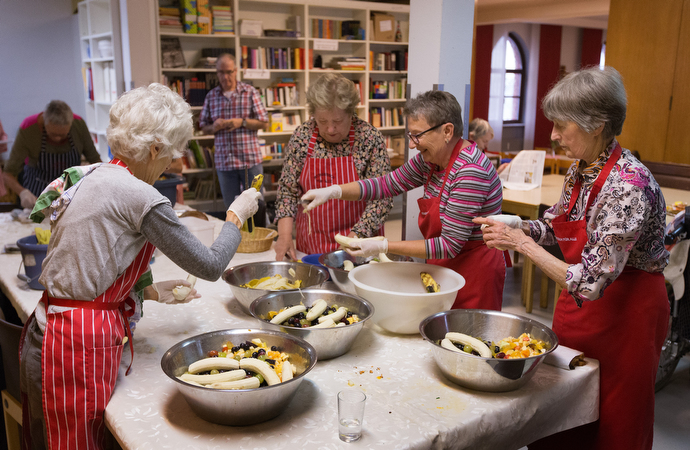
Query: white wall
{"points": [[39, 59]]}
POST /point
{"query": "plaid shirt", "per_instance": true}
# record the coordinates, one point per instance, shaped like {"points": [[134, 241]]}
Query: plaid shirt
{"points": [[238, 148]]}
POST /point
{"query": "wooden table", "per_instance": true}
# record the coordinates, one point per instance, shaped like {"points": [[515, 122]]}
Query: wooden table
{"points": [[527, 203], [410, 404]]}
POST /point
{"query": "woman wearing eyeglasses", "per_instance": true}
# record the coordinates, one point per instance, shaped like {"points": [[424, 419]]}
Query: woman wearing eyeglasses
{"points": [[459, 184], [334, 147]]}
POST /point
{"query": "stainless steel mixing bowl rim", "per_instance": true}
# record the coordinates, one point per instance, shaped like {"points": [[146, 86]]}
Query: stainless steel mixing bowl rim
{"points": [[307, 346], [424, 322], [273, 263], [368, 304]]}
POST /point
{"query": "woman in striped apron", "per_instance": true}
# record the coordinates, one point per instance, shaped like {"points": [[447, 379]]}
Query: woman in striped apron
{"points": [[333, 147], [609, 223], [105, 228], [460, 183]]}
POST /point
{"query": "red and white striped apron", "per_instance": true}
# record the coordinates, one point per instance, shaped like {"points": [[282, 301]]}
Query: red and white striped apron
{"points": [[334, 216], [82, 349], [624, 330], [483, 268]]}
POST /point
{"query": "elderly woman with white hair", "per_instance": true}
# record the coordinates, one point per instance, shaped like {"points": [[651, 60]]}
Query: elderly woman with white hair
{"points": [[105, 226], [609, 223], [334, 146]]}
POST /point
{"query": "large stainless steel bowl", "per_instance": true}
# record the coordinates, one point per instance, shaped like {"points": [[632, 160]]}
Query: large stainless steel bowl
{"points": [[312, 277], [396, 291], [328, 342], [333, 261], [485, 374], [244, 406]]}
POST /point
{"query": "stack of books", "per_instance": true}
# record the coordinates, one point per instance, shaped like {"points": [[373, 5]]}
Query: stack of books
{"points": [[280, 95], [272, 58], [349, 63], [169, 19], [223, 22]]}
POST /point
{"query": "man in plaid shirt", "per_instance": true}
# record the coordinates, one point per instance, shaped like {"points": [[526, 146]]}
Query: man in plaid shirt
{"points": [[233, 112]]}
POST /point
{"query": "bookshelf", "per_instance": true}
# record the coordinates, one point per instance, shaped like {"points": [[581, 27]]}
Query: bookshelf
{"points": [[101, 65], [320, 24]]}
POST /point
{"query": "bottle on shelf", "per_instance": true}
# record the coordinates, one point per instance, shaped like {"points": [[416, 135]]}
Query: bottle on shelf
{"points": [[398, 33]]}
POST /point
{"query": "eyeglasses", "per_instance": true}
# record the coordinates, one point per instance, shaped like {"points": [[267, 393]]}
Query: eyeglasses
{"points": [[415, 137], [226, 72]]}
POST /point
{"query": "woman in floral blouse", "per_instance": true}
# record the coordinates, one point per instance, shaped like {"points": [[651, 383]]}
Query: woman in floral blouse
{"points": [[609, 223], [333, 147]]}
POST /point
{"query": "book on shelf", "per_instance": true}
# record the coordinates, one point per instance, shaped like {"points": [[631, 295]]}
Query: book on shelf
{"points": [[336, 29], [223, 21], [386, 117], [349, 63], [171, 53], [271, 58], [275, 122], [188, 13], [203, 16], [388, 89], [280, 95], [394, 60], [169, 19], [291, 121]]}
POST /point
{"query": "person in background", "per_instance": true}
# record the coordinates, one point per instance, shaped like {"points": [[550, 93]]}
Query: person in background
{"points": [[233, 112], [46, 145], [459, 182], [105, 228], [480, 132], [334, 146], [609, 224]]}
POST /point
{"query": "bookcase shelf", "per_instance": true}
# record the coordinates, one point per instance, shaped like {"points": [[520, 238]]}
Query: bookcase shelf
{"points": [[301, 15], [101, 65]]}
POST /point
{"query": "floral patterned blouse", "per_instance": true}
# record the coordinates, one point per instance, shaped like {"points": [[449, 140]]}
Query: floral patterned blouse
{"points": [[625, 225], [370, 158]]}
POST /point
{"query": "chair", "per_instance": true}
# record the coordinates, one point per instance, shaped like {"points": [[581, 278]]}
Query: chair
{"points": [[10, 335]]}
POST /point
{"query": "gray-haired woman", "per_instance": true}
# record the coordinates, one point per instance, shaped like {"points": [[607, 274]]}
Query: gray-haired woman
{"points": [[460, 183], [334, 146], [609, 223], [105, 227]]}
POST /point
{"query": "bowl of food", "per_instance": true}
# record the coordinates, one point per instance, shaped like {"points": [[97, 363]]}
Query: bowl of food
{"points": [[239, 377], [252, 280], [306, 315], [403, 293], [339, 269], [517, 346]]}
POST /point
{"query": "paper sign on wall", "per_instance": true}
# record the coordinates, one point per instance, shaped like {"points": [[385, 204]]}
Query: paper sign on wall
{"points": [[256, 74], [325, 44]]}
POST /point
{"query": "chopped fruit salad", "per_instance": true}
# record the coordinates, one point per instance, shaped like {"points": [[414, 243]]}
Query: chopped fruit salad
{"points": [[523, 346], [318, 315]]}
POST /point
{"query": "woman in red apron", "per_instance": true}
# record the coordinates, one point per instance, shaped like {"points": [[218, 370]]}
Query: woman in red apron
{"points": [[334, 147], [105, 226], [609, 225], [460, 184]]}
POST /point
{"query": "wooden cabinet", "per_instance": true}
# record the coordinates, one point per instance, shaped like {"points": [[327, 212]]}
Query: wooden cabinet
{"points": [[649, 44], [307, 16]]}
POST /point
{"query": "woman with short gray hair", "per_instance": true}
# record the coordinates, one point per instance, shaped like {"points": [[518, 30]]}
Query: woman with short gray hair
{"points": [[106, 221], [334, 146], [459, 182], [609, 224]]}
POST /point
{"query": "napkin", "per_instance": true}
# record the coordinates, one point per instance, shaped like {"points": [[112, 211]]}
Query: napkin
{"points": [[565, 358]]}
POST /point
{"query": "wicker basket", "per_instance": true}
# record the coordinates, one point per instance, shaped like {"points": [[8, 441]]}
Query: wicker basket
{"points": [[259, 241]]}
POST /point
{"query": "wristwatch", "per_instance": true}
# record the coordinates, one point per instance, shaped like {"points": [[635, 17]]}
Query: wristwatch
{"points": [[244, 123]]}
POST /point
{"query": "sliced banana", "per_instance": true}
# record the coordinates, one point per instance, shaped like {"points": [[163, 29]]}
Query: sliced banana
{"points": [[341, 324], [231, 375], [287, 371], [245, 383], [345, 241], [262, 368], [325, 324], [206, 364], [285, 315], [181, 292], [317, 309], [464, 339], [384, 258], [335, 316], [348, 265]]}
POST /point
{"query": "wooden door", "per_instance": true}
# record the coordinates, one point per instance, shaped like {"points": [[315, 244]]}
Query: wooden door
{"points": [[678, 135], [642, 44]]}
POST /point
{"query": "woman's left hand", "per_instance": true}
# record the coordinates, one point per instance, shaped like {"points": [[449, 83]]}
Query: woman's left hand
{"points": [[165, 291], [501, 236], [367, 247]]}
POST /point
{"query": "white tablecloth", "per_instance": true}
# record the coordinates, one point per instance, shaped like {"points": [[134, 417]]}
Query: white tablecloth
{"points": [[410, 404]]}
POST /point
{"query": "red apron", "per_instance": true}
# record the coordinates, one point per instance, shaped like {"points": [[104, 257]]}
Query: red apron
{"points": [[82, 350], [624, 330], [334, 216], [474, 262]]}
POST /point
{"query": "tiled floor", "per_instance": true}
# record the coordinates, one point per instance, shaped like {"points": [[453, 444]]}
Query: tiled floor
{"points": [[672, 408]]}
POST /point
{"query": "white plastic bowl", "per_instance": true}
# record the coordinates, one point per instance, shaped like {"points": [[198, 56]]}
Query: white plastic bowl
{"points": [[398, 295]]}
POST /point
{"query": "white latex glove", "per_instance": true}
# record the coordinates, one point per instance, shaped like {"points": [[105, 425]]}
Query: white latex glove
{"points": [[367, 247], [246, 205], [318, 197], [165, 291], [28, 199], [509, 219]]}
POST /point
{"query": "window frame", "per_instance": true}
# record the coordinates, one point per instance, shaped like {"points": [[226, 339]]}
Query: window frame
{"points": [[523, 85]]}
